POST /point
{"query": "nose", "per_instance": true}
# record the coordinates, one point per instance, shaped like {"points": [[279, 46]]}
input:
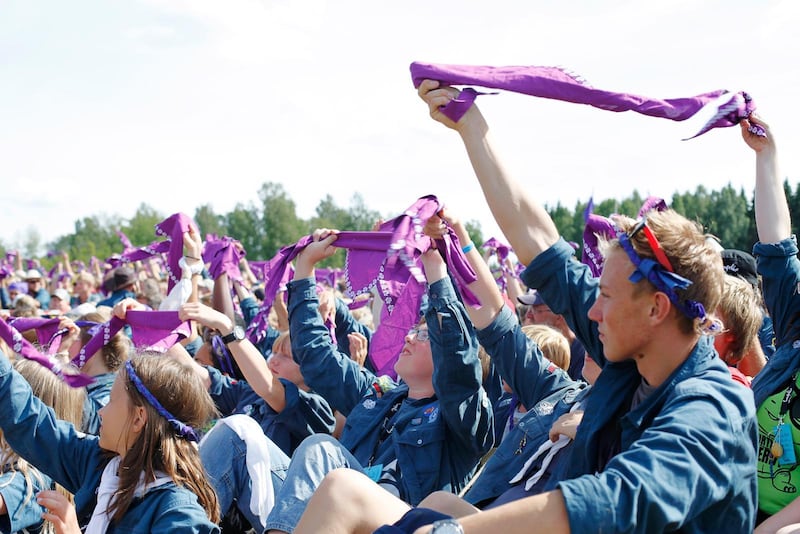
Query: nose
{"points": [[594, 312]]}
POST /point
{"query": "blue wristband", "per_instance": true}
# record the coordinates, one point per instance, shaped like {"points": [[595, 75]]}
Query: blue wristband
{"points": [[467, 248]]}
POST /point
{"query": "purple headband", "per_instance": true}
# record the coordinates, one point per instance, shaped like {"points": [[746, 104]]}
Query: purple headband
{"points": [[223, 355], [21, 346], [183, 429], [558, 84]]}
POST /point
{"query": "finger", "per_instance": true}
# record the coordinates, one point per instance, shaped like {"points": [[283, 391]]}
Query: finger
{"points": [[426, 86]]}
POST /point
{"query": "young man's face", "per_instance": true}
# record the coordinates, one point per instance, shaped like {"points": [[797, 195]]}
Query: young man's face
{"points": [[415, 358], [620, 311]]}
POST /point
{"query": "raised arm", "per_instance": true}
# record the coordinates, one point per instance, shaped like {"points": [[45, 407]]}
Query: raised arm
{"points": [[772, 211], [525, 223], [251, 362]]}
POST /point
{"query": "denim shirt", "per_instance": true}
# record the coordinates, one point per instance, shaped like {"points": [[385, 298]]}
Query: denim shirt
{"points": [[437, 443], [780, 283], [305, 412], [97, 395], [345, 323], [20, 500], [250, 309], [76, 461], [687, 452], [544, 388]]}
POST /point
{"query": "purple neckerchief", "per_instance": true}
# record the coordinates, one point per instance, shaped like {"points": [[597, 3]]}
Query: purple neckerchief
{"points": [[558, 84], [48, 333], [328, 276], [223, 256], [356, 304], [387, 341], [597, 227], [258, 267], [173, 228], [126, 243], [136, 254], [150, 330], [223, 355], [5, 271], [21, 346]]}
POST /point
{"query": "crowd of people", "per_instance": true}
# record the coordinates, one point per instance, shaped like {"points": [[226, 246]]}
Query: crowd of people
{"points": [[182, 388]]}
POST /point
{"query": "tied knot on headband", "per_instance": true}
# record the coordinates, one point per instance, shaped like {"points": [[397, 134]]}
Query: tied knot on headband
{"points": [[180, 427], [661, 274]]}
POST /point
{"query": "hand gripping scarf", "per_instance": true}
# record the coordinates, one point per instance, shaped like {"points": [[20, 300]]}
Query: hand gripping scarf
{"points": [[21, 346], [48, 334], [173, 228], [150, 330], [558, 84], [387, 260]]}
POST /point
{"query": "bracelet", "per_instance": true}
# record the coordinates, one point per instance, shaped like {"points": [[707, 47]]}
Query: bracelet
{"points": [[191, 257], [468, 247]]}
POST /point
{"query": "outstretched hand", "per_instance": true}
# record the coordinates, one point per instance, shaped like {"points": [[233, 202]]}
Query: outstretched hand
{"points": [[121, 308], [437, 96], [321, 247], [59, 511], [757, 142]]}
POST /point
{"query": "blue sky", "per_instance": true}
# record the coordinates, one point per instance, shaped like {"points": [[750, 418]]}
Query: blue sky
{"points": [[176, 103]]}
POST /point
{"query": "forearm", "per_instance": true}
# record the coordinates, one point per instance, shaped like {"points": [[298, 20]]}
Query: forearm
{"points": [[524, 222], [772, 211], [788, 516], [484, 288], [178, 352], [258, 375]]}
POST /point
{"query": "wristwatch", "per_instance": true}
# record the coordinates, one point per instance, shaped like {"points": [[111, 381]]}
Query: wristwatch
{"points": [[236, 335], [447, 526]]}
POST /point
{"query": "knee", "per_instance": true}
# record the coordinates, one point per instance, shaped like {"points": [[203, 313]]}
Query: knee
{"points": [[348, 486]]}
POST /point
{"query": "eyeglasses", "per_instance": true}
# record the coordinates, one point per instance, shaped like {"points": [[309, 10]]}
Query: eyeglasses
{"points": [[420, 333], [655, 246]]}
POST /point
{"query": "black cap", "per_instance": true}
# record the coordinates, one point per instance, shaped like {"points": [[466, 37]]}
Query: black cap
{"points": [[740, 263]]}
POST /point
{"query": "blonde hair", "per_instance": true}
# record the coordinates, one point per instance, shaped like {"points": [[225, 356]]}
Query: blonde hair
{"points": [[742, 315], [66, 402], [158, 447], [283, 344], [552, 343], [691, 256]]}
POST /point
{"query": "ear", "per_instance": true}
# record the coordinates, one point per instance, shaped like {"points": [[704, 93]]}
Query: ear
{"points": [[139, 419], [660, 307]]}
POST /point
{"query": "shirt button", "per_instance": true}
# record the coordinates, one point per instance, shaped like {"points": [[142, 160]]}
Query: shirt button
{"points": [[419, 442]]}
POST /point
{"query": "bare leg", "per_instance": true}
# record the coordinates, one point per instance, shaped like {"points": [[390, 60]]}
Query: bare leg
{"points": [[348, 502], [449, 504]]}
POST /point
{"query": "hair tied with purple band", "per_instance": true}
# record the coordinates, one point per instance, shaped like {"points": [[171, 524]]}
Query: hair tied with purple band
{"points": [[183, 429]]}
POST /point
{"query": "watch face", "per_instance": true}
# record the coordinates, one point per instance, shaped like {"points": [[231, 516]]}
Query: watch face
{"points": [[447, 526], [238, 333]]}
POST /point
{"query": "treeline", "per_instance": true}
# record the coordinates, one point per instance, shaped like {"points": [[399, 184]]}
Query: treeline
{"points": [[265, 225]]}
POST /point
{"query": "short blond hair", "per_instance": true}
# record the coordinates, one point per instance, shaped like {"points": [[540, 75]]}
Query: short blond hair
{"points": [[552, 343]]}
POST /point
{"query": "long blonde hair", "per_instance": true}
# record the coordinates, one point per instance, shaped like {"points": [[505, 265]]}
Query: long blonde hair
{"points": [[66, 402], [158, 447]]}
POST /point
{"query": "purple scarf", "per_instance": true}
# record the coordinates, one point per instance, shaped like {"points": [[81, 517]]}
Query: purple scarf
{"points": [[126, 243], [22, 347], [559, 84], [501, 250], [48, 334], [150, 330], [223, 256], [173, 228]]}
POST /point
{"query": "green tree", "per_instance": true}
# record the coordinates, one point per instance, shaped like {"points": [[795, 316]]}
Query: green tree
{"points": [[244, 224], [280, 222], [208, 221], [141, 228]]}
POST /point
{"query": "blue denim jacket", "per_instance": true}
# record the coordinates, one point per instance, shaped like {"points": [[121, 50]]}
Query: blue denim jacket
{"points": [[305, 412], [780, 279], [97, 395], [20, 500], [437, 443], [75, 461], [545, 389], [250, 309], [687, 452]]}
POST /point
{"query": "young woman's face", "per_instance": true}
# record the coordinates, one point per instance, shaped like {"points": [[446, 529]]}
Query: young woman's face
{"points": [[116, 433]]}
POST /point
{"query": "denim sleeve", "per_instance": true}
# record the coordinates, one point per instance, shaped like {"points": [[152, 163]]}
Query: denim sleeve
{"points": [[570, 290], [340, 380], [674, 471], [31, 428], [520, 362], [456, 370], [345, 324], [20, 500], [224, 391], [305, 413], [249, 308], [780, 283]]}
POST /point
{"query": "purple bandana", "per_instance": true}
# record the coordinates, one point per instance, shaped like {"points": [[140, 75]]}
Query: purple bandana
{"points": [[501, 250], [173, 228], [559, 84], [22, 347], [223, 256], [126, 243], [48, 333], [150, 330]]}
